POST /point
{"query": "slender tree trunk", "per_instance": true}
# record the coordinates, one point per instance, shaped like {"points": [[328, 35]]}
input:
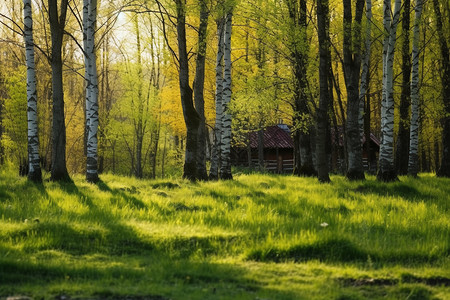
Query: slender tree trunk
{"points": [[402, 151], [352, 65], [57, 24], [163, 156], [139, 125], [191, 117], [34, 168], [199, 83], [413, 160], [89, 27], [365, 68], [323, 23], [225, 168], [215, 156], [444, 169], [261, 149], [367, 132], [342, 150], [386, 27], [386, 170], [249, 151], [2, 151]]}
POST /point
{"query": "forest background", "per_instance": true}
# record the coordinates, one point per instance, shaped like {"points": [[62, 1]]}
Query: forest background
{"points": [[141, 127]]}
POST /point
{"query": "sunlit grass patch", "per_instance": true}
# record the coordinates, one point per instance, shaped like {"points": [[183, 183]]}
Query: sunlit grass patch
{"points": [[257, 236]]}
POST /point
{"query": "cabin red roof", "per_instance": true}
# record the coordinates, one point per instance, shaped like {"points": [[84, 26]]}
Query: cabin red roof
{"points": [[274, 137]]}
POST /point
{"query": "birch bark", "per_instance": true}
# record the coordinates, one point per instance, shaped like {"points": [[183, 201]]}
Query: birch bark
{"points": [[216, 155], [225, 151], [89, 27], [413, 161], [34, 172], [365, 67], [386, 170]]}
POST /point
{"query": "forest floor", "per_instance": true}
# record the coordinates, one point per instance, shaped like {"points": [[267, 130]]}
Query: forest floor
{"points": [[258, 236]]}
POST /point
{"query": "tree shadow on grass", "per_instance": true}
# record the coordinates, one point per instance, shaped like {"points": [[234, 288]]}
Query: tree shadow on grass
{"points": [[398, 189], [341, 250], [116, 238], [175, 277]]}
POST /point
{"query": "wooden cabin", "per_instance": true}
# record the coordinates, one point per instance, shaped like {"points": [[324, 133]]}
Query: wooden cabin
{"points": [[278, 149]]}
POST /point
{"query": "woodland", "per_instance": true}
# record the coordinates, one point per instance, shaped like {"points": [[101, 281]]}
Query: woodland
{"points": [[147, 88], [119, 121]]}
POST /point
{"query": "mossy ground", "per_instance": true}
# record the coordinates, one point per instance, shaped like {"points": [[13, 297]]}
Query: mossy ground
{"points": [[258, 236]]}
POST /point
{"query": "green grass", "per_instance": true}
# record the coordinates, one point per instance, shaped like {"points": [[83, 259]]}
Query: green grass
{"points": [[256, 237]]}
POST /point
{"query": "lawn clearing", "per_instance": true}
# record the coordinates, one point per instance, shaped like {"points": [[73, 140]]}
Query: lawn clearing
{"points": [[256, 237]]}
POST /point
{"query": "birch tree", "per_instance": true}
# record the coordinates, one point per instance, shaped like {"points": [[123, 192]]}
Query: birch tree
{"points": [[413, 160], [57, 25], [365, 66], [225, 151], [352, 65], [89, 27], [216, 155], [444, 169], [386, 170], [34, 172]]}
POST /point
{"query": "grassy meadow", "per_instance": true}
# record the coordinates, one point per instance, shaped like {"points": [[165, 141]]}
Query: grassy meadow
{"points": [[259, 236]]}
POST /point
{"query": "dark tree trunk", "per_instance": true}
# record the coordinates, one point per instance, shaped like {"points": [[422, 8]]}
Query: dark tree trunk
{"points": [[334, 139], [199, 83], [261, 149], [303, 164], [57, 23], [352, 66], [249, 151], [154, 146], [2, 96], [323, 23], [343, 149], [191, 117], [297, 157], [444, 169], [436, 155], [402, 151], [138, 160], [370, 160]]}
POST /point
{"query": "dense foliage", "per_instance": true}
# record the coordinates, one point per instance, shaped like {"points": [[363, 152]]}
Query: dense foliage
{"points": [[141, 128]]}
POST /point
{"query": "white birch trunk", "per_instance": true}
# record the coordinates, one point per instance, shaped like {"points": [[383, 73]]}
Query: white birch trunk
{"points": [[386, 27], [413, 166], [34, 172], [225, 150], [386, 165], [365, 67], [89, 24], [215, 158]]}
